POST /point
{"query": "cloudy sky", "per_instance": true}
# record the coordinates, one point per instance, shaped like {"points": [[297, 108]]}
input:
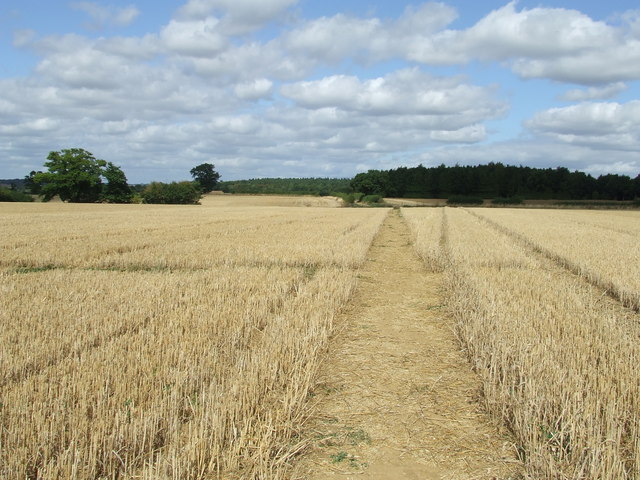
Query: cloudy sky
{"points": [[298, 88]]}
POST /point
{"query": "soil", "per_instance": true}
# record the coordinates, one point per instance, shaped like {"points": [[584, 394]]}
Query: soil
{"points": [[397, 398]]}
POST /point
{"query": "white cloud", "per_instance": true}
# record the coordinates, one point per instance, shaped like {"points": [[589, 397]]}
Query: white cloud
{"points": [[408, 91], [238, 16], [600, 125], [197, 38], [107, 16], [257, 89], [595, 93]]}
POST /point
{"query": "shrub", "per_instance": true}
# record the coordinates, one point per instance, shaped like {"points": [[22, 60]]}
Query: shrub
{"points": [[371, 198], [464, 200], [187, 193], [7, 195]]}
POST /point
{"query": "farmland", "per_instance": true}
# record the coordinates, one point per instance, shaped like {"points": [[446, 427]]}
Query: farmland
{"points": [[172, 342], [538, 298], [144, 341]]}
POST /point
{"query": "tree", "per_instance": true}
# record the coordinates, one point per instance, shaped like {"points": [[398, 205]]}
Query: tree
{"points": [[76, 176], [117, 189], [205, 175], [30, 183], [172, 193]]}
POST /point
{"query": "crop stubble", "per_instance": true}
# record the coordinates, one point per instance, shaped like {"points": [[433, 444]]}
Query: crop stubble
{"points": [[165, 342], [558, 356]]}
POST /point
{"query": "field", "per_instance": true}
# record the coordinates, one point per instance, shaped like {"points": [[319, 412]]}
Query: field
{"points": [[180, 342], [539, 301], [165, 342]]}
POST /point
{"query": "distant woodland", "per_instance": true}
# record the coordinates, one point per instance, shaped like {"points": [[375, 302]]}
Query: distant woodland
{"points": [[495, 180], [490, 181]]}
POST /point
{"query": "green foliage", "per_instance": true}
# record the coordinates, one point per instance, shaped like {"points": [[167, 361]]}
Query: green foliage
{"points": [[464, 200], [508, 201], [495, 180], [374, 182], [287, 186], [8, 195], [187, 193], [206, 176], [76, 176], [117, 189], [371, 199]]}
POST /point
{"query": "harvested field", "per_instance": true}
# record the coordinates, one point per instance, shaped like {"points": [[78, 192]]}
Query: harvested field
{"points": [[165, 341], [178, 342], [557, 355]]}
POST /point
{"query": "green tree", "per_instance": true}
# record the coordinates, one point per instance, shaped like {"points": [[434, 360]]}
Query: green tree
{"points": [[117, 190], [206, 176], [30, 185], [76, 176], [172, 193]]}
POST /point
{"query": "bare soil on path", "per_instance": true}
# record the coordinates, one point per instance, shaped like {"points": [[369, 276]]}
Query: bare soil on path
{"points": [[397, 398]]}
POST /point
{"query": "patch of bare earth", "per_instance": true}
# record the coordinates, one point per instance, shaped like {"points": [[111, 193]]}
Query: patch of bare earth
{"points": [[397, 398]]}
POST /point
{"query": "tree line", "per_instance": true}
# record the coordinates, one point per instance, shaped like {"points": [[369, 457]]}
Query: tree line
{"points": [[75, 175], [495, 180], [288, 186]]}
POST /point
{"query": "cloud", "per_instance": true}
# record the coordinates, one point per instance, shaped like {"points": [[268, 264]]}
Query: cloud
{"points": [[238, 16], [601, 125], [260, 88], [197, 38], [106, 16], [408, 91], [594, 93]]}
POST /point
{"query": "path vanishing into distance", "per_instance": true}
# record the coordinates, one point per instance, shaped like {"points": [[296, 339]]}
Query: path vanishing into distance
{"points": [[397, 398]]}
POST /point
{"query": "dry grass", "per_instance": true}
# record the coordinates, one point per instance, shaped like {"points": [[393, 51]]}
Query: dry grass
{"points": [[557, 357], [577, 240], [165, 342]]}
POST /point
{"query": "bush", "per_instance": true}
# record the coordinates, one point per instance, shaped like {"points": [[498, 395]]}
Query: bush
{"points": [[184, 193], [508, 201], [7, 195], [371, 198], [464, 200]]}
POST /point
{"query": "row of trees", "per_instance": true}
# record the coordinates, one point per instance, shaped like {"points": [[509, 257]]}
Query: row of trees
{"points": [[288, 186], [75, 175], [495, 180]]}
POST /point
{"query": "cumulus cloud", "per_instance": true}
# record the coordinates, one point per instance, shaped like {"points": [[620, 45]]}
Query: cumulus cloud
{"points": [[106, 16], [254, 90], [238, 16], [603, 125], [197, 38], [594, 93], [408, 91]]}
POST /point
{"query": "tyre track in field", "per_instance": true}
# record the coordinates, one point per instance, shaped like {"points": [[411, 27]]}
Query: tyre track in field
{"points": [[397, 398], [625, 298]]}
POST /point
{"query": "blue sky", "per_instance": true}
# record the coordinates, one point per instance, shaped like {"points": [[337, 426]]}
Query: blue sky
{"points": [[284, 88]]}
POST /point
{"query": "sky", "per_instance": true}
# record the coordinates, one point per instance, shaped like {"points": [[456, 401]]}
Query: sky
{"points": [[309, 88]]}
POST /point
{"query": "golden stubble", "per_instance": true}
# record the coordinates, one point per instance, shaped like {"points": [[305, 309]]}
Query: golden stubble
{"points": [[144, 341], [557, 355]]}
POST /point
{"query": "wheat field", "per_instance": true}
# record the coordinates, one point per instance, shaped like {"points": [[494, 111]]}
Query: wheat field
{"points": [[154, 342], [557, 355]]}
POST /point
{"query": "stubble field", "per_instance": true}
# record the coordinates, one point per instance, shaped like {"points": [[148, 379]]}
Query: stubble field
{"points": [[540, 299], [165, 342], [145, 341]]}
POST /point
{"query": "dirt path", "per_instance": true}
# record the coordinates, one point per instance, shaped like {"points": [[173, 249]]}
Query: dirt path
{"points": [[397, 399]]}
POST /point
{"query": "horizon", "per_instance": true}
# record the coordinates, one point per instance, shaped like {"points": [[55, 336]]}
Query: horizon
{"points": [[295, 89]]}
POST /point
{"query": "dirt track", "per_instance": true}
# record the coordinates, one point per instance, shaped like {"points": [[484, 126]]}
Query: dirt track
{"points": [[397, 399]]}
